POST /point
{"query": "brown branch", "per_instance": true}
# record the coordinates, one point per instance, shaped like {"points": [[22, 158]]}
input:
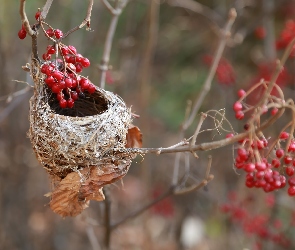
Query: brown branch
{"points": [[207, 85], [107, 219], [24, 19], [46, 9], [169, 192], [104, 66], [86, 20], [207, 145]]}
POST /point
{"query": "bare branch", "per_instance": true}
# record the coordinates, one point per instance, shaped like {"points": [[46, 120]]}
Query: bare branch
{"points": [[46, 9], [85, 21], [207, 85], [104, 66], [24, 19]]}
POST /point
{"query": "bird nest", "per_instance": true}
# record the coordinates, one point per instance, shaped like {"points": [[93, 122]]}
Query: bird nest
{"points": [[81, 147]]}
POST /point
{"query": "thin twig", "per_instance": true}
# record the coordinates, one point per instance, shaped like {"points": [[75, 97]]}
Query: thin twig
{"points": [[24, 19], [107, 219], [86, 20], [193, 141], [46, 9], [207, 85], [207, 145], [169, 192]]}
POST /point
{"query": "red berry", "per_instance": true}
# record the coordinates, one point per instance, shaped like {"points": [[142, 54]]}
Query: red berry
{"points": [[56, 89], [37, 15], [84, 83], [250, 184], [50, 32], [72, 49], [79, 58], [63, 103], [241, 93], [70, 59], [291, 181], [74, 83], [64, 51], [58, 33], [69, 82], [230, 135], [288, 159], [274, 111], [280, 152], [260, 166], [44, 68], [58, 75], [291, 147], [49, 80], [60, 95], [79, 67], [290, 170], [46, 56], [242, 153], [50, 49], [91, 89], [85, 62], [291, 191], [62, 84], [74, 95], [240, 115], [249, 167], [22, 34], [275, 163], [70, 103], [284, 135], [237, 106]]}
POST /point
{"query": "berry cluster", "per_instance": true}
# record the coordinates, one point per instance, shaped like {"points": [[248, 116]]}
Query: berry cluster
{"points": [[269, 167], [62, 77], [261, 226], [225, 73], [61, 73]]}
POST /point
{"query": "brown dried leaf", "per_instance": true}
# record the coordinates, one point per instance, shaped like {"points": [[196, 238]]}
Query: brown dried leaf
{"points": [[134, 137], [72, 195]]}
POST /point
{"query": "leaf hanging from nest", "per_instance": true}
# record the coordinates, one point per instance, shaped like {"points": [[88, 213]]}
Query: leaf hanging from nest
{"points": [[133, 137], [73, 193]]}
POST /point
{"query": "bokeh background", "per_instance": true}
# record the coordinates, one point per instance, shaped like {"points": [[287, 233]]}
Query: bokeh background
{"points": [[160, 58]]}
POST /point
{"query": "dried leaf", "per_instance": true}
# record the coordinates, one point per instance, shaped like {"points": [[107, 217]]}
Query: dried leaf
{"points": [[72, 195], [134, 137]]}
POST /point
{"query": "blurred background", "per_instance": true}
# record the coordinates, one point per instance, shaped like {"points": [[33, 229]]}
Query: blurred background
{"points": [[160, 58]]}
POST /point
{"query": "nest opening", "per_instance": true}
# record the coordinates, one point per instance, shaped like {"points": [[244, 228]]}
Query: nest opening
{"points": [[86, 105]]}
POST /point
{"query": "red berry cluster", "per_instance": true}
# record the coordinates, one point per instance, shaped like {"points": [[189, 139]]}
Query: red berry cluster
{"points": [[261, 226], [267, 167], [225, 73], [64, 81]]}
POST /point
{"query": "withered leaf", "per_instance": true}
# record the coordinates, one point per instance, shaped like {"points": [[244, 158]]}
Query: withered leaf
{"points": [[134, 137]]}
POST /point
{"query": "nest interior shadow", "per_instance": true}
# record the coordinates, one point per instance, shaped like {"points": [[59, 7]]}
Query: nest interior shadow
{"points": [[86, 105]]}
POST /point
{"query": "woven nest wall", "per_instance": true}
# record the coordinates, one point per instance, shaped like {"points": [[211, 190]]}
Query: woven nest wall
{"points": [[79, 147]]}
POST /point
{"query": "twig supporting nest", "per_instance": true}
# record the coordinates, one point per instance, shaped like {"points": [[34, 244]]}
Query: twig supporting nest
{"points": [[79, 147]]}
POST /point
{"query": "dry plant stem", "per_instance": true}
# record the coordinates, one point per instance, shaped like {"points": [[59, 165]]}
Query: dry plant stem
{"points": [[280, 65], [28, 28], [207, 85], [85, 21], [208, 145], [107, 219], [104, 66], [193, 141], [92, 237], [169, 192], [24, 19], [45, 9]]}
